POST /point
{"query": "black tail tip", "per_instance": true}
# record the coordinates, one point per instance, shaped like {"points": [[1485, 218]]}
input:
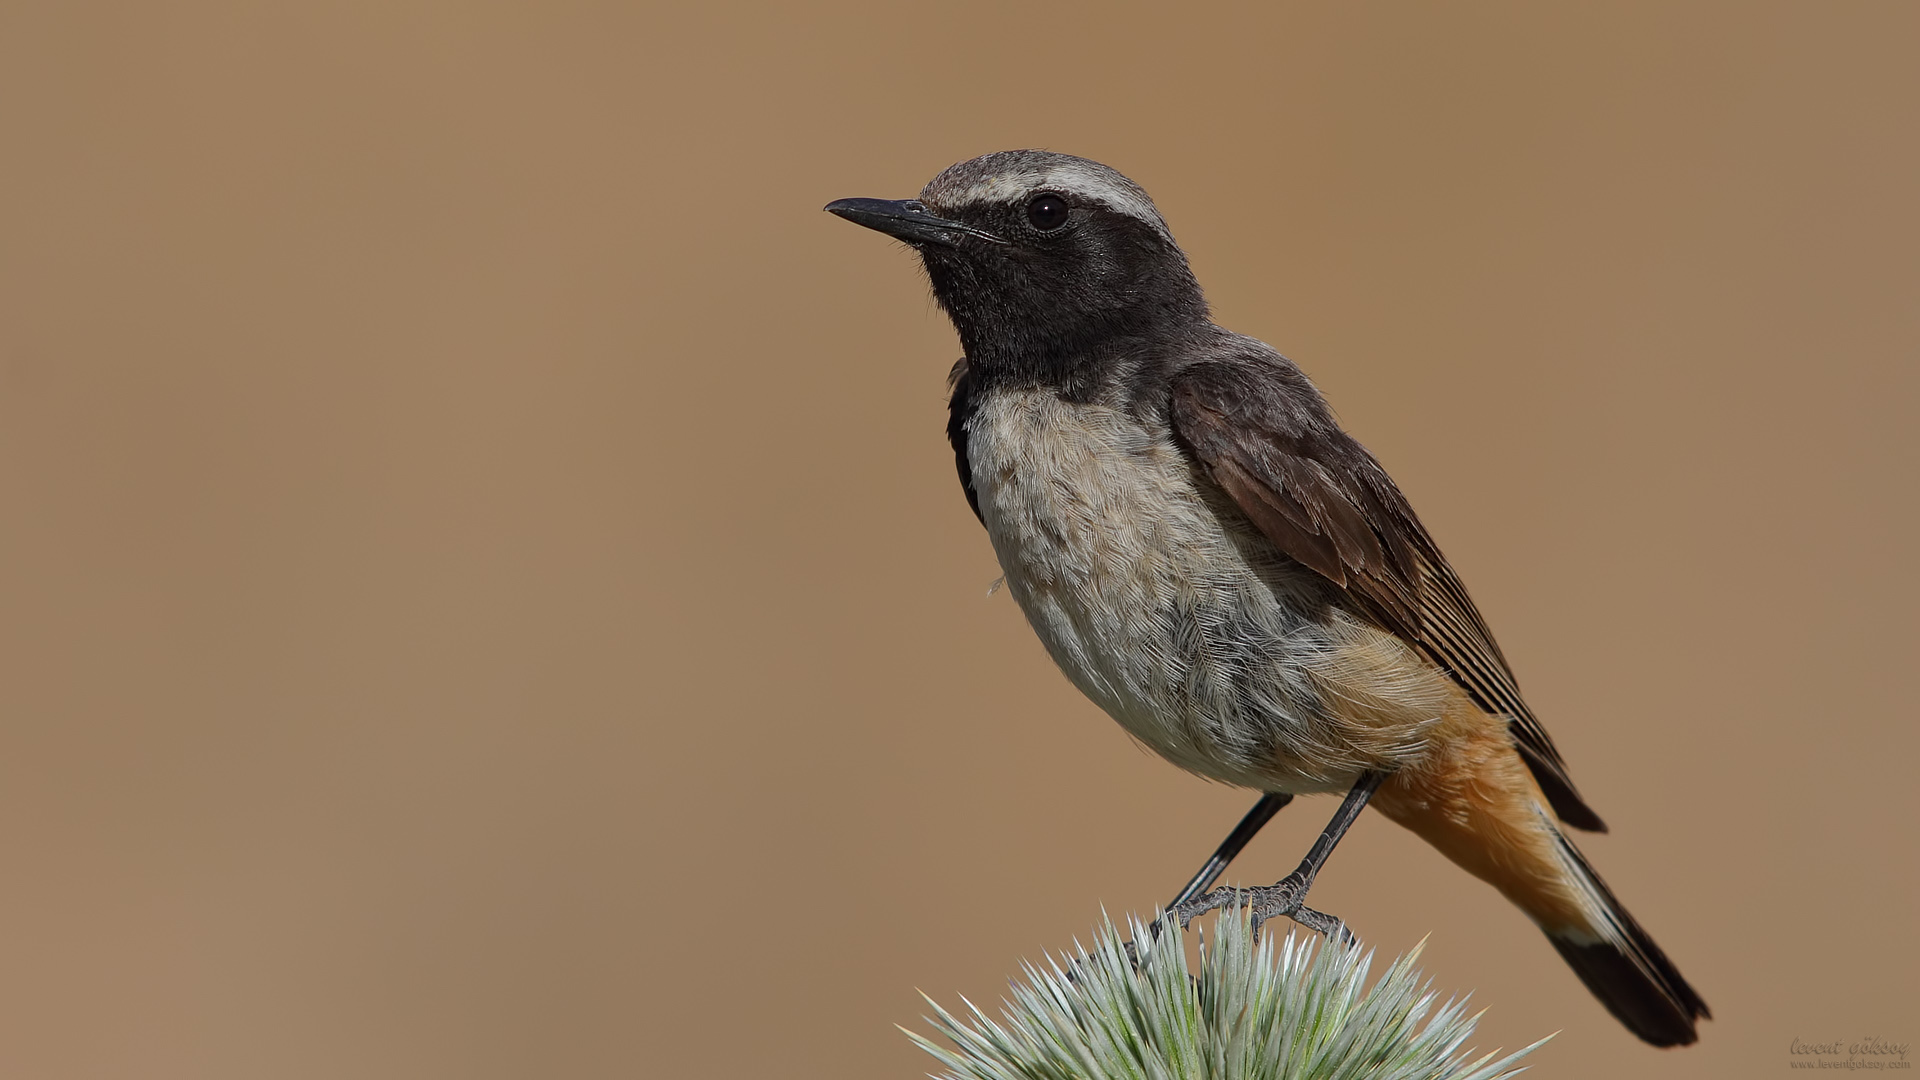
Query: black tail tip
{"points": [[1645, 992]]}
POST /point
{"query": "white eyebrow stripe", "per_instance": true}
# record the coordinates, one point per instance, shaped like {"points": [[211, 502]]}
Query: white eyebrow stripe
{"points": [[1072, 177]]}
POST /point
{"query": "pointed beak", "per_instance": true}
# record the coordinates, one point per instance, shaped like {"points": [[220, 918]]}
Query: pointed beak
{"points": [[907, 220]]}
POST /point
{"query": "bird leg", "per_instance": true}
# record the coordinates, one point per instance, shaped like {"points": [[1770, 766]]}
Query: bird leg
{"points": [[1284, 897], [1270, 804], [1262, 812]]}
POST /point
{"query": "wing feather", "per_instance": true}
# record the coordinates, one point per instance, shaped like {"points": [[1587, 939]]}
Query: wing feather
{"points": [[1263, 434]]}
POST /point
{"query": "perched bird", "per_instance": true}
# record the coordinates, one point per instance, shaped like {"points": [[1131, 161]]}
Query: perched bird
{"points": [[1231, 576]]}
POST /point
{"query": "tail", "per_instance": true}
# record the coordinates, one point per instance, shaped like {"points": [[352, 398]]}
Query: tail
{"points": [[1625, 969], [1478, 804]]}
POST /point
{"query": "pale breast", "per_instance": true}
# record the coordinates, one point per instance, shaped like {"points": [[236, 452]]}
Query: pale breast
{"points": [[1172, 615]]}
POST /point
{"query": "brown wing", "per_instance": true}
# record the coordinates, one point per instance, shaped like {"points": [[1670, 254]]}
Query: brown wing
{"points": [[1265, 436]]}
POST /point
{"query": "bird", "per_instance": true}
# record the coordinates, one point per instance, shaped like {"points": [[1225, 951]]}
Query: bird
{"points": [[1231, 576]]}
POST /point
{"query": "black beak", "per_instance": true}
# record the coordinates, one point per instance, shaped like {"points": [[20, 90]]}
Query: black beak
{"points": [[907, 220]]}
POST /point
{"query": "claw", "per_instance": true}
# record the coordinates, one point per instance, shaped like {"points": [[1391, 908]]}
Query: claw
{"points": [[1322, 923], [1267, 902]]}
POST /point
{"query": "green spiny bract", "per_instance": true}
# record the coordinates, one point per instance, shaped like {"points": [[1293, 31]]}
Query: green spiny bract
{"points": [[1253, 1011]]}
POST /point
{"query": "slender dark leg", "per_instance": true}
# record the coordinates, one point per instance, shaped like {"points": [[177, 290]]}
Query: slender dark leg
{"points": [[1285, 896], [1262, 812]]}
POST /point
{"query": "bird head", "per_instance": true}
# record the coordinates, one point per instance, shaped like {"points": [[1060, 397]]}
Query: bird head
{"points": [[1041, 259]]}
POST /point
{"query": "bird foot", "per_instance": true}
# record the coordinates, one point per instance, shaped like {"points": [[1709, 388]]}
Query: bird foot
{"points": [[1267, 902]]}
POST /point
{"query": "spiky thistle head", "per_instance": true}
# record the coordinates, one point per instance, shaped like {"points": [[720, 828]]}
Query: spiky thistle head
{"points": [[1253, 1011]]}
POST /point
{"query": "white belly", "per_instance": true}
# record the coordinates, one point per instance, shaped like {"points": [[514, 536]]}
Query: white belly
{"points": [[1196, 640]]}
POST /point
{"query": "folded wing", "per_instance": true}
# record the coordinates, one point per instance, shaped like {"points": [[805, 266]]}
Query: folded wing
{"points": [[1263, 433]]}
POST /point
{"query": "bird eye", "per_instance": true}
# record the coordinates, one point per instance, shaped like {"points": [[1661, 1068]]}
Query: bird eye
{"points": [[1047, 211]]}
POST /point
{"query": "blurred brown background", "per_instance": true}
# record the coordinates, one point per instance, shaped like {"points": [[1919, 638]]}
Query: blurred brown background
{"points": [[485, 592]]}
